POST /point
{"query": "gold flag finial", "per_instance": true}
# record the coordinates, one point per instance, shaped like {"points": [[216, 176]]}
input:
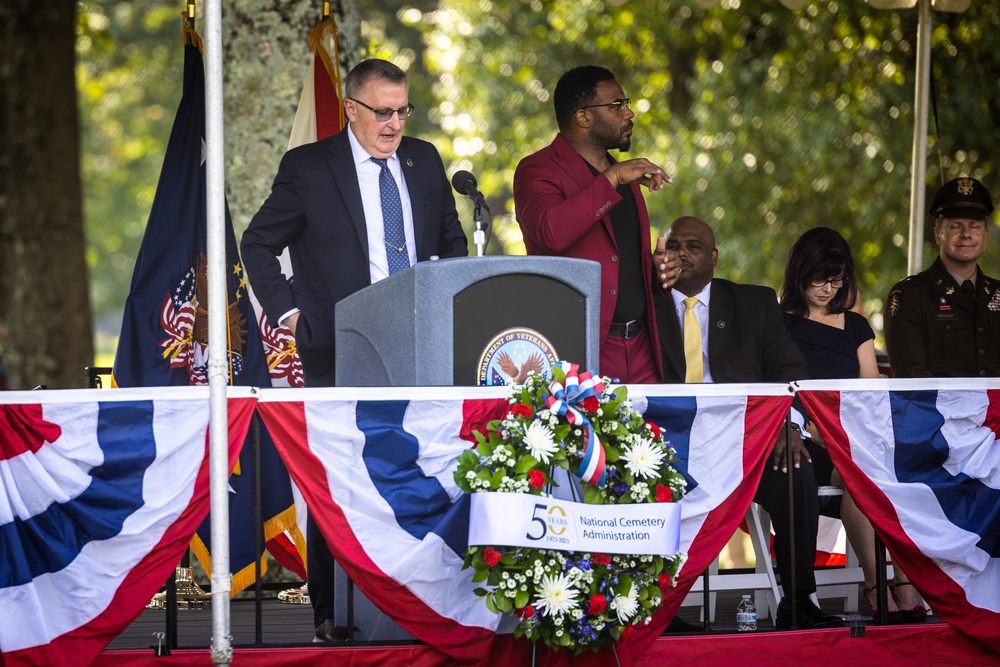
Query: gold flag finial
{"points": [[326, 9]]}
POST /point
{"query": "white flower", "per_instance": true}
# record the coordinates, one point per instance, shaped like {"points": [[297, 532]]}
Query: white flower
{"points": [[643, 459], [626, 606], [539, 441], [555, 595]]}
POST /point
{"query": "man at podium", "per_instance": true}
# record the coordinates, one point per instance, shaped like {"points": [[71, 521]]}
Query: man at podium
{"points": [[572, 199], [351, 209]]}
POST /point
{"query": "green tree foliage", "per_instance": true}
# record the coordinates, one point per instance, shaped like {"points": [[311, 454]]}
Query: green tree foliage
{"points": [[129, 77], [771, 121]]}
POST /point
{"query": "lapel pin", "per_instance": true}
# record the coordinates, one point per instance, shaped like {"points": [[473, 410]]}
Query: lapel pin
{"points": [[409, 162], [721, 324]]}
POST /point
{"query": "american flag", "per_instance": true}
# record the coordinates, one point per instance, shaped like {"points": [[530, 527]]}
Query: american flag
{"points": [[164, 335]]}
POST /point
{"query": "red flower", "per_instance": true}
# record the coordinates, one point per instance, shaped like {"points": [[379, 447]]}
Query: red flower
{"points": [[627, 632], [522, 410], [591, 404], [654, 428], [527, 612], [664, 581], [664, 494], [491, 556], [597, 605], [600, 559], [536, 478]]}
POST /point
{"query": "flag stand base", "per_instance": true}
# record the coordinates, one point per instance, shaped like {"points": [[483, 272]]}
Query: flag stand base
{"points": [[189, 594], [298, 595]]}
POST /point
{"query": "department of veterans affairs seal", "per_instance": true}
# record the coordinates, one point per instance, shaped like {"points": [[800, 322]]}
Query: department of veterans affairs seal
{"points": [[511, 354]]}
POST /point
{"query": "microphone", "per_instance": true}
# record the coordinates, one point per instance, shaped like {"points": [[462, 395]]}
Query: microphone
{"points": [[465, 183]]}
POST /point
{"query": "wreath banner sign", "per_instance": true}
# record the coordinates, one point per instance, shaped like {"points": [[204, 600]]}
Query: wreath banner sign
{"points": [[573, 575], [523, 520]]}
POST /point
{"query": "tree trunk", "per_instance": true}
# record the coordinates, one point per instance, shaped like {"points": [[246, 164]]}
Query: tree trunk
{"points": [[44, 294], [267, 56]]}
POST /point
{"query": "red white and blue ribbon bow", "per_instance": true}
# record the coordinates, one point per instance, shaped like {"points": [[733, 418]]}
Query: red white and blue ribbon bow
{"points": [[564, 396]]}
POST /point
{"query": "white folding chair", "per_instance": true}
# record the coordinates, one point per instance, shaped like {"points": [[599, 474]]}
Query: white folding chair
{"points": [[762, 581]]}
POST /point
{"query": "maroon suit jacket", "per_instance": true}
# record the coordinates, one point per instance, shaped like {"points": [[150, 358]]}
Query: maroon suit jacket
{"points": [[563, 210]]}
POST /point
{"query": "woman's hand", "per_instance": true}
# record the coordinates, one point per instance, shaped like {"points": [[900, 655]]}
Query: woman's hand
{"points": [[814, 434]]}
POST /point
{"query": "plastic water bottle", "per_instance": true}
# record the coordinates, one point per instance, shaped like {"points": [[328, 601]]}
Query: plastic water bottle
{"points": [[746, 615]]}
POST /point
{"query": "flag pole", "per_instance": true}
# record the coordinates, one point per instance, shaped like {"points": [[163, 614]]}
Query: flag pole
{"points": [[222, 651], [918, 170]]}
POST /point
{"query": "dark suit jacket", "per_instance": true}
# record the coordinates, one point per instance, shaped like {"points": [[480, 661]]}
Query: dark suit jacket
{"points": [[564, 210], [934, 329], [315, 210], [747, 339]]}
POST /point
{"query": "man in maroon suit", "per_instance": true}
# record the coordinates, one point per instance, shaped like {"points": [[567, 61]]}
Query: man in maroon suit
{"points": [[572, 199]]}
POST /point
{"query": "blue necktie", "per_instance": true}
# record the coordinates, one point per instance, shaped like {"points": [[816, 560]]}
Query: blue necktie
{"points": [[392, 219]]}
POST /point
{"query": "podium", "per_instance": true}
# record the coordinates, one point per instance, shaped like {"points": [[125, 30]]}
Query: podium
{"points": [[468, 321]]}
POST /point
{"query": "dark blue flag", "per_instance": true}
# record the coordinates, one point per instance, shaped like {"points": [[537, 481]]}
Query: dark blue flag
{"points": [[164, 335]]}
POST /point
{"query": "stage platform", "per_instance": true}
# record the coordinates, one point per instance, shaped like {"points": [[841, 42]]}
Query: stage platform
{"points": [[286, 639]]}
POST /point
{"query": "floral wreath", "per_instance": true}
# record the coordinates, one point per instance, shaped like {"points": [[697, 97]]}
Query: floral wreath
{"points": [[564, 598]]}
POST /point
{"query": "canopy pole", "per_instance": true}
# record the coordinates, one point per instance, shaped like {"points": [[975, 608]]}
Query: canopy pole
{"points": [[918, 172], [222, 650]]}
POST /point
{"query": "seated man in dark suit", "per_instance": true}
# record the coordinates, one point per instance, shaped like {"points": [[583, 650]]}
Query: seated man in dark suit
{"points": [[735, 333]]}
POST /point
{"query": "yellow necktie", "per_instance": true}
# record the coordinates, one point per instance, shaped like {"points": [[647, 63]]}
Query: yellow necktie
{"points": [[692, 343]]}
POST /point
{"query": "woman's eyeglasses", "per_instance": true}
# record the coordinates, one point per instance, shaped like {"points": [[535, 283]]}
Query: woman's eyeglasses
{"points": [[835, 283]]}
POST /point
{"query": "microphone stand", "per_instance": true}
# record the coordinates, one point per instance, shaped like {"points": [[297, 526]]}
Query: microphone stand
{"points": [[479, 236]]}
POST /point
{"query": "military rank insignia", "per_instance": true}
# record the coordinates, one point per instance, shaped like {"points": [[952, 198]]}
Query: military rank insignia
{"points": [[945, 306], [994, 303], [894, 303]]}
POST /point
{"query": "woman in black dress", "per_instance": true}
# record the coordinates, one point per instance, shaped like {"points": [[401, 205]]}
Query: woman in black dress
{"points": [[818, 294]]}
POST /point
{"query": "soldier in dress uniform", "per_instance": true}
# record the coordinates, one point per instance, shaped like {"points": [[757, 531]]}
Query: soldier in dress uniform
{"points": [[945, 321]]}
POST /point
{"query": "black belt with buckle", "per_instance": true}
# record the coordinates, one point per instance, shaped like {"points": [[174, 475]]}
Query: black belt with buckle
{"points": [[625, 330]]}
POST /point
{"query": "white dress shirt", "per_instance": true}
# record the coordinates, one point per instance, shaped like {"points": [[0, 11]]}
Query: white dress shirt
{"points": [[371, 198]]}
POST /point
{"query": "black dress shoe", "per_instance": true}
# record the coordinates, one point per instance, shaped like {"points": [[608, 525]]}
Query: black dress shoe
{"points": [[809, 616], [328, 633], [678, 626]]}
